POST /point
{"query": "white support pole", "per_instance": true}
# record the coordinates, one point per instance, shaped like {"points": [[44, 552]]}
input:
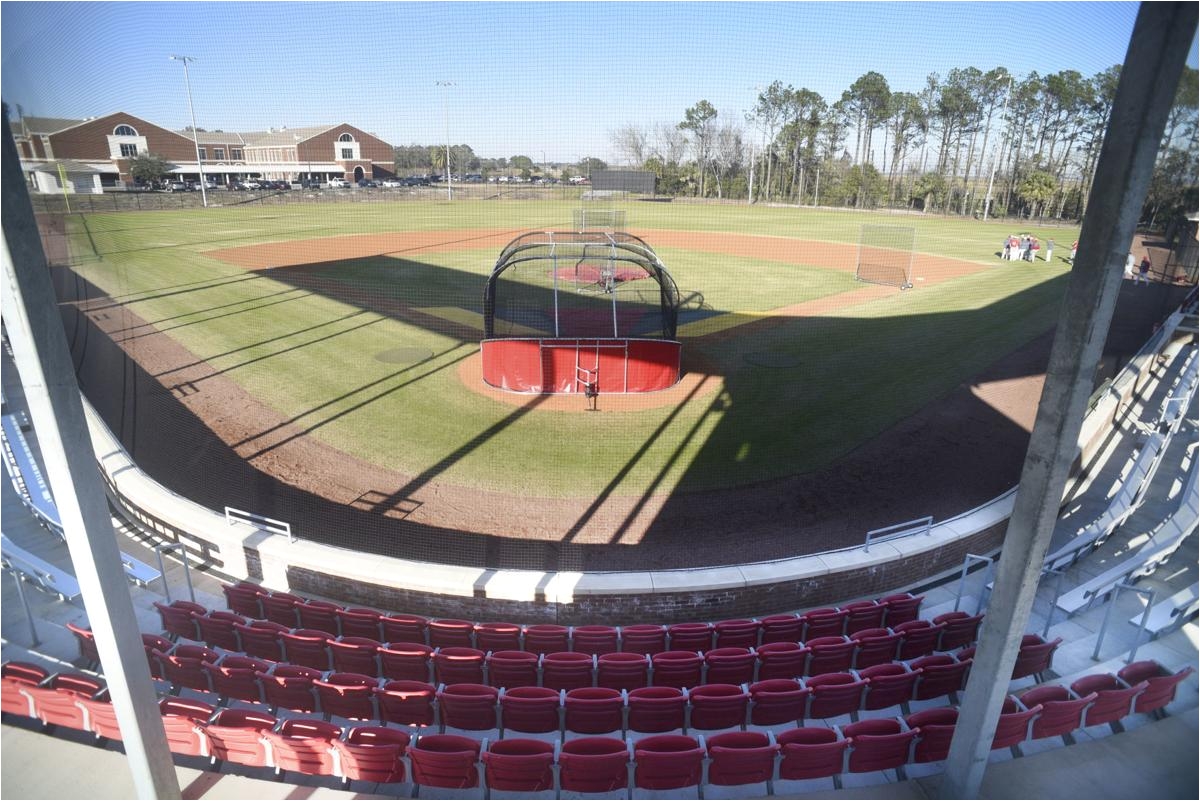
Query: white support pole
{"points": [[195, 136], [43, 360]]}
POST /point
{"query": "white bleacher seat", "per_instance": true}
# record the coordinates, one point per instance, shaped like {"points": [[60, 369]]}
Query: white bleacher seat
{"points": [[1170, 611], [1123, 503], [38, 571], [1163, 541]]}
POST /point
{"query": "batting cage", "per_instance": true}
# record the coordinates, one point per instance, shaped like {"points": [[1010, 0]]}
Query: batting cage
{"points": [[885, 255], [580, 312]]}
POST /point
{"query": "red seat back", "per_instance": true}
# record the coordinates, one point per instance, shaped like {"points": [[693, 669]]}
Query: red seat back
{"points": [[690, 637], [811, 753], [733, 665], [878, 745], [594, 639], [519, 765], [409, 703], [498, 637], [593, 710], [656, 709], [400, 628], [458, 665], [644, 638], [622, 670], [530, 710], [373, 754], [717, 706], [406, 661], [667, 762], [742, 757], [547, 638], [777, 701], [445, 760], [512, 669], [470, 707], [567, 670], [593, 765], [676, 669]]}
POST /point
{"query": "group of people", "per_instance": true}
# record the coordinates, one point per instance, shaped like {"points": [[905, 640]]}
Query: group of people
{"points": [[1025, 248]]}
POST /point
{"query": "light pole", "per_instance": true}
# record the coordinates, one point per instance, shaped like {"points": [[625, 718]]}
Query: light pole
{"points": [[446, 122], [195, 139]]}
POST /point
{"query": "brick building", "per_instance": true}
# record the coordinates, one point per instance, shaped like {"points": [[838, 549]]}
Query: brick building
{"points": [[93, 155]]}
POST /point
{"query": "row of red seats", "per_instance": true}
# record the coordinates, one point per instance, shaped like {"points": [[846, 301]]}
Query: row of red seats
{"points": [[256, 602], [593, 764], [509, 668]]}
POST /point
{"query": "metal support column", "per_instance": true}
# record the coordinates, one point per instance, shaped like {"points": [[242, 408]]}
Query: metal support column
{"points": [[43, 361], [1158, 47]]}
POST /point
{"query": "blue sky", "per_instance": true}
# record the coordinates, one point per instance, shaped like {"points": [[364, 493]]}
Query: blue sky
{"points": [[534, 79]]}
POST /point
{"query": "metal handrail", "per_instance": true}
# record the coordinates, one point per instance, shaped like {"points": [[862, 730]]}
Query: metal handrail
{"points": [[968, 560], [1058, 588], [922, 525], [1112, 602], [162, 548]]}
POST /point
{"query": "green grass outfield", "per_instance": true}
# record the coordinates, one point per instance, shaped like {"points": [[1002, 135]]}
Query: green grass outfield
{"points": [[303, 340]]}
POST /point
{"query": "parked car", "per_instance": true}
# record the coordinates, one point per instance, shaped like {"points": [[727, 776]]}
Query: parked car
{"points": [[177, 186], [311, 183], [253, 184], [236, 186], [339, 183], [392, 183], [209, 184], [364, 183]]}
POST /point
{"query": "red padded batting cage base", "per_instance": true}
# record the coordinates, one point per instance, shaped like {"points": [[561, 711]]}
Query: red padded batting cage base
{"points": [[564, 366]]}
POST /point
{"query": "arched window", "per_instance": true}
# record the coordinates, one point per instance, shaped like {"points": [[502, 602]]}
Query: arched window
{"points": [[345, 138], [124, 130]]}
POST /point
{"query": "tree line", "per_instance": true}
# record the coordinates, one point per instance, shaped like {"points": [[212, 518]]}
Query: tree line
{"points": [[410, 159], [969, 143]]}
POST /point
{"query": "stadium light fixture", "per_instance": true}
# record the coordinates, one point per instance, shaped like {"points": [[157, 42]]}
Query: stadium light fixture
{"points": [[195, 138], [446, 123]]}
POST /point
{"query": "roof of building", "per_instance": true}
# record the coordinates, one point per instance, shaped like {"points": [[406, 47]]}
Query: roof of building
{"points": [[68, 165], [41, 125], [214, 137], [285, 136]]}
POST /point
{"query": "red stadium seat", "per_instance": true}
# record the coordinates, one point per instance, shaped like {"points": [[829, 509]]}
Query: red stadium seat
{"points": [[355, 655], [512, 669], [667, 762], [736, 633], [732, 665], [1013, 727], [547, 638], [449, 633], [347, 695], [303, 746], [676, 669], [594, 765], [829, 655], [216, 629], [1161, 685], [530, 710], [941, 674], [782, 628], [690, 637], [781, 660], [445, 760], [1114, 699], [405, 661], [152, 643], [498, 637], [458, 665], [593, 710], [260, 638], [307, 647], [879, 745], [889, 685], [244, 598], [594, 639], [937, 730], [875, 647], [834, 694], [741, 758], [644, 638], [717, 707], [280, 607], [409, 703], [960, 629], [183, 667], [359, 622], [519, 766], [568, 670], [177, 619], [400, 628], [825, 622], [864, 615], [777, 702], [239, 736], [1062, 711], [88, 652], [812, 753], [468, 707], [901, 608], [917, 638], [656, 710], [372, 754], [319, 615], [236, 677], [1035, 656], [183, 718], [290, 687], [622, 670]]}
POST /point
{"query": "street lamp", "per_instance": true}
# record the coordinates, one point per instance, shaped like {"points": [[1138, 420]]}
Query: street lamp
{"points": [[446, 122], [195, 139]]}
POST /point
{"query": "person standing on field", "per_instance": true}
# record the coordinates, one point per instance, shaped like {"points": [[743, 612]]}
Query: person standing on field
{"points": [[1143, 274], [1074, 248]]}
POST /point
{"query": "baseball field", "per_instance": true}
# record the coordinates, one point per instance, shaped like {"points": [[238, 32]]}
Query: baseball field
{"points": [[335, 348]]}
